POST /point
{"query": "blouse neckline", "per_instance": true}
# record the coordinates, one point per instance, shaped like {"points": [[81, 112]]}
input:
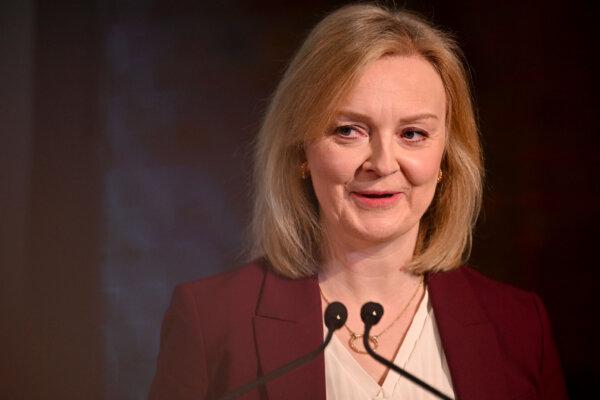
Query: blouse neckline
{"points": [[362, 377]]}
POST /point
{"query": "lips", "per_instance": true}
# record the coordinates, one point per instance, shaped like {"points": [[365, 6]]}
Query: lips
{"points": [[376, 199], [375, 195]]}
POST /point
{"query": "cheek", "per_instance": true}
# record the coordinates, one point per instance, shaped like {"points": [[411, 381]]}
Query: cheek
{"points": [[422, 168], [330, 170], [329, 165]]}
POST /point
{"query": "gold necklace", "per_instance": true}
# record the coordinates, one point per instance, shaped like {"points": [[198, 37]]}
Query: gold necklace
{"points": [[373, 338]]}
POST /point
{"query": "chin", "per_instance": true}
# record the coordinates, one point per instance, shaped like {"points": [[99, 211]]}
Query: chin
{"points": [[380, 233]]}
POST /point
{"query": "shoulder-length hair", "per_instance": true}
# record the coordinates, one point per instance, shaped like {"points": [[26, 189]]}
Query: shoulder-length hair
{"points": [[285, 225]]}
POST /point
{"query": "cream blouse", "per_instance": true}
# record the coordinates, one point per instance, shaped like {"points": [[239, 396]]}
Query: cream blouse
{"points": [[421, 354]]}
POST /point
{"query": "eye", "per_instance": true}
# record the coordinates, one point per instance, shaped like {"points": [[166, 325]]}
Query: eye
{"points": [[349, 131], [414, 135]]}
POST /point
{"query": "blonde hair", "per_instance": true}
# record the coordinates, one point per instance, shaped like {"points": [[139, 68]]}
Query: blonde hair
{"points": [[285, 226]]}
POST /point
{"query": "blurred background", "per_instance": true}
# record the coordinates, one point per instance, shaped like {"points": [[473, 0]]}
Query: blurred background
{"points": [[125, 154]]}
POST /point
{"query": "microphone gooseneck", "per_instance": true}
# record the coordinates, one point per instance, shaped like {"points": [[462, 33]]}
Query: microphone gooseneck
{"points": [[335, 317], [371, 314]]}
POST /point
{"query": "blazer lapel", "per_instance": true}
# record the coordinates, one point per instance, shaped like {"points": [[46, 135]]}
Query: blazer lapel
{"points": [[287, 326], [468, 338]]}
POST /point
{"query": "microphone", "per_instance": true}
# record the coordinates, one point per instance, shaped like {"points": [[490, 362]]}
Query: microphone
{"points": [[371, 314], [335, 317]]}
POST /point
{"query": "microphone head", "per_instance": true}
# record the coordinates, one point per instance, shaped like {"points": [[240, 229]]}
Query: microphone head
{"points": [[335, 315], [371, 313]]}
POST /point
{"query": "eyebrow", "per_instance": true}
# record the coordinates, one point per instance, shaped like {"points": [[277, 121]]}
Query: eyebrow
{"points": [[406, 120]]}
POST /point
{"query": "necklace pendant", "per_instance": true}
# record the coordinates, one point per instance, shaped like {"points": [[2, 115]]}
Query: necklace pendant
{"points": [[356, 336]]}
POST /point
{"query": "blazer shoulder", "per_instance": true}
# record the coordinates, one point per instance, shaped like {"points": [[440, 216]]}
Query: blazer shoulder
{"points": [[236, 291], [207, 326], [523, 328], [518, 316], [486, 299], [493, 291]]}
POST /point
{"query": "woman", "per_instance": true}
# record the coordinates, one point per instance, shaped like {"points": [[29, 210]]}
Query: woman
{"points": [[367, 185]]}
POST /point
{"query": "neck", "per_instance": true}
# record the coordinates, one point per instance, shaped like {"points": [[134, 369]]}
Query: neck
{"points": [[374, 272]]}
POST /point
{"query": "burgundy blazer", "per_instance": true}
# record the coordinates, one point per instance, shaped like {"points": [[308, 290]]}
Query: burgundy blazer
{"points": [[224, 331]]}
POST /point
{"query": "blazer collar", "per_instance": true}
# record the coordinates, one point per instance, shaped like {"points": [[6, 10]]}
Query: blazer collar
{"points": [[468, 337], [288, 324]]}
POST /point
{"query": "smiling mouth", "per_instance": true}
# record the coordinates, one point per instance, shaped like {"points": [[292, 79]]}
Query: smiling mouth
{"points": [[375, 196]]}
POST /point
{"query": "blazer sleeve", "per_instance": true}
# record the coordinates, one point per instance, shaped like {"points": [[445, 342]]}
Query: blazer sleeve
{"points": [[181, 372], [552, 385]]}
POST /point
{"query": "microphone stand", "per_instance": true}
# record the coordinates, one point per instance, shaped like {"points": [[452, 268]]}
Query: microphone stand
{"points": [[335, 317], [368, 325]]}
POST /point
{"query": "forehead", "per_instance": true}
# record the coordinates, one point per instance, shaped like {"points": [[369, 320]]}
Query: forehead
{"points": [[399, 85]]}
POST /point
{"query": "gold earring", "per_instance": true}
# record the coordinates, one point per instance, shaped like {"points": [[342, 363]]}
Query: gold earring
{"points": [[304, 172], [440, 176]]}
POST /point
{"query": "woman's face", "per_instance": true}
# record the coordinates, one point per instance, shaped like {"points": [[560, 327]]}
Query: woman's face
{"points": [[375, 172]]}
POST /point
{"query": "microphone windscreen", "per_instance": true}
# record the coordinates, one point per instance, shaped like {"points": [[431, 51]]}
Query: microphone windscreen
{"points": [[371, 313], [335, 315]]}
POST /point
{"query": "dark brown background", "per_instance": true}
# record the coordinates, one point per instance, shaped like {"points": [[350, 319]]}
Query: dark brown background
{"points": [[125, 129]]}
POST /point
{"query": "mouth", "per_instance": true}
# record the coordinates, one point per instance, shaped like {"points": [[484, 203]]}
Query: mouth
{"points": [[376, 199], [374, 195], [371, 194]]}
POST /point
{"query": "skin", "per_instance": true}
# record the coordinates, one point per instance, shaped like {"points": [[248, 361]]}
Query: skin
{"points": [[374, 175]]}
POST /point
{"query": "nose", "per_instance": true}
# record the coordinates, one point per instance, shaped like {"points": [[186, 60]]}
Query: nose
{"points": [[382, 159]]}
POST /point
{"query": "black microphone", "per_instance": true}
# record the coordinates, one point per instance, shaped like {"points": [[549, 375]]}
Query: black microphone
{"points": [[335, 317], [371, 314]]}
